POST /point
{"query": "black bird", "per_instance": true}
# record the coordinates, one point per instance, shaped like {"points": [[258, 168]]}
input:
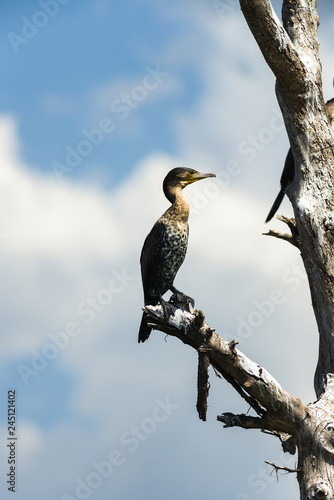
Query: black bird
{"points": [[165, 246], [289, 167]]}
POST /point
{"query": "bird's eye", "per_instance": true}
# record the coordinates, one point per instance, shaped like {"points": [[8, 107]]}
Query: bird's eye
{"points": [[192, 172]]}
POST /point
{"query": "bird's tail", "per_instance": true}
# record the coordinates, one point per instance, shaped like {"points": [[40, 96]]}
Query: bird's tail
{"points": [[276, 205], [144, 330]]}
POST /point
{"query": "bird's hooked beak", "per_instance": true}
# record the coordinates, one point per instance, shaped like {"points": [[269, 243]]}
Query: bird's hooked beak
{"points": [[197, 176]]}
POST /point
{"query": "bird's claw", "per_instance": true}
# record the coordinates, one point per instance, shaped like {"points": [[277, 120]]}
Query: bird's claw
{"points": [[179, 298], [168, 308]]}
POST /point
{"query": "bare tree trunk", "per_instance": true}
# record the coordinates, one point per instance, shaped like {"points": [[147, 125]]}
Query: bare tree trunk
{"points": [[291, 51]]}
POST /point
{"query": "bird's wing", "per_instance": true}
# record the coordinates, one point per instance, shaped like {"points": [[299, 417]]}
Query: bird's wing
{"points": [[150, 250], [288, 170]]}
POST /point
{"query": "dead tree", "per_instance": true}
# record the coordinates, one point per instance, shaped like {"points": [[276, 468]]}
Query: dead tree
{"points": [[291, 50]]}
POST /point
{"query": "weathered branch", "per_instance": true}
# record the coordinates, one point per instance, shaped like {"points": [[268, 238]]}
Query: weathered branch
{"points": [[276, 468], [291, 51], [310, 428], [282, 412], [292, 238], [281, 236], [249, 399], [242, 420], [275, 44], [300, 21]]}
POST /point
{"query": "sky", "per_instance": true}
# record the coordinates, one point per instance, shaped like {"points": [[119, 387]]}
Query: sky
{"points": [[98, 101]]}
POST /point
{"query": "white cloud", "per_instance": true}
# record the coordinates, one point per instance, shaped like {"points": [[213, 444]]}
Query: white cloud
{"points": [[43, 217], [76, 231], [64, 233]]}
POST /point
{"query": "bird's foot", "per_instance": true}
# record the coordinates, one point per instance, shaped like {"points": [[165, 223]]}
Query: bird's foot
{"points": [[181, 298], [168, 308]]}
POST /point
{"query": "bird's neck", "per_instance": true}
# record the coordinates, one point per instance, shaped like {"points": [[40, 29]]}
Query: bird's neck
{"points": [[180, 205], [173, 193]]}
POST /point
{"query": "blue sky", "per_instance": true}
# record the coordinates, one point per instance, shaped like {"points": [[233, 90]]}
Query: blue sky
{"points": [[69, 72], [119, 93]]}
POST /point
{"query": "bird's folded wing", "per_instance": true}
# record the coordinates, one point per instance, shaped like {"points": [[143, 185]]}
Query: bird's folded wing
{"points": [[150, 250]]}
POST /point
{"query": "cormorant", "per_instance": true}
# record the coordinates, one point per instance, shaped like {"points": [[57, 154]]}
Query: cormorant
{"points": [[165, 246], [289, 167]]}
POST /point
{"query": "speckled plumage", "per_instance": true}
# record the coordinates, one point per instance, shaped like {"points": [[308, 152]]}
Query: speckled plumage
{"points": [[160, 267], [165, 246]]}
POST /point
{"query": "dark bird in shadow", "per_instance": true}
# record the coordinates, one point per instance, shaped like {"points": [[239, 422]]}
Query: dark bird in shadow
{"points": [[286, 179], [165, 246], [289, 167]]}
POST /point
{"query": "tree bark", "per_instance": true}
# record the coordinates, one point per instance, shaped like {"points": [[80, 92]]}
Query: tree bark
{"points": [[291, 50]]}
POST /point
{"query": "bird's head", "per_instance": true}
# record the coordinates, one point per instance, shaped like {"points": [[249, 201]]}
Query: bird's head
{"points": [[180, 177]]}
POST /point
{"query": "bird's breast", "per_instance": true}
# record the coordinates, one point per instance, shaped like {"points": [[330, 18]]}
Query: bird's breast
{"points": [[174, 248], [176, 237]]}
